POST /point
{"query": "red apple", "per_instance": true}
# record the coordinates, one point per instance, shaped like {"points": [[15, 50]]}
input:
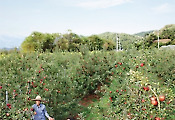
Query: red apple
{"points": [[142, 64], [157, 118], [32, 109], [7, 114], [161, 97], [168, 102], [115, 65], [146, 88], [143, 100], [110, 92], [119, 63], [0, 87], [153, 98], [154, 102], [46, 89], [9, 105]]}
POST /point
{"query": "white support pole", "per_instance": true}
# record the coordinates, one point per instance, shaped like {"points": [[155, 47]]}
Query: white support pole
{"points": [[119, 43], [6, 97], [116, 43], [158, 39]]}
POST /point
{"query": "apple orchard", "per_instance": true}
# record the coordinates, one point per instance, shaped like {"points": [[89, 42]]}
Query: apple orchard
{"points": [[129, 84]]}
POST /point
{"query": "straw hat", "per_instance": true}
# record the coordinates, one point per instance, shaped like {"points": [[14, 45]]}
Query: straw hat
{"points": [[38, 98]]}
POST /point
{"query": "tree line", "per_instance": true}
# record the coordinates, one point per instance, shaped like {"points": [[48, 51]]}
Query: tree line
{"points": [[43, 42], [72, 42], [167, 32]]}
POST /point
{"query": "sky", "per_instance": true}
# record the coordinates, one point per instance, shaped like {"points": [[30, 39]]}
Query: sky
{"points": [[19, 18]]}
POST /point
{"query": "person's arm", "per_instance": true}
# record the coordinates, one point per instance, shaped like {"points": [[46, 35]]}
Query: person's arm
{"points": [[32, 112], [33, 109], [46, 114]]}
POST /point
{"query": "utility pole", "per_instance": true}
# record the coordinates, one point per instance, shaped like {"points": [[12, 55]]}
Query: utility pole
{"points": [[158, 40], [117, 40], [118, 44], [120, 48]]}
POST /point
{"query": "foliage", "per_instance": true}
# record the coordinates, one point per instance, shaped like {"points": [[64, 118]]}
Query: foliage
{"points": [[63, 79], [71, 42], [150, 39], [127, 41], [126, 97], [143, 34], [38, 42], [167, 32], [95, 43]]}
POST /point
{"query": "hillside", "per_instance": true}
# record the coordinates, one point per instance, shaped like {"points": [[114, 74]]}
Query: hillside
{"points": [[166, 36], [143, 34], [127, 40]]}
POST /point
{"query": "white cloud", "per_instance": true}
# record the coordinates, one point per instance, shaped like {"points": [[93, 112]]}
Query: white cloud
{"points": [[164, 8], [96, 4]]}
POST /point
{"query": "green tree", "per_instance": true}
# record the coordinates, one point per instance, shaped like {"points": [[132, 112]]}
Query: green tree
{"points": [[95, 43], [168, 32], [108, 45], [38, 41], [69, 42], [48, 43], [149, 39], [62, 44]]}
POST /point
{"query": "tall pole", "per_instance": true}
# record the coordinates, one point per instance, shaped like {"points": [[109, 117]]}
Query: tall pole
{"points": [[158, 39], [119, 44], [6, 97], [116, 43]]}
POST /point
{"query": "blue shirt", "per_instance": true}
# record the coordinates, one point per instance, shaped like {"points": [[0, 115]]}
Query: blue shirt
{"points": [[40, 112]]}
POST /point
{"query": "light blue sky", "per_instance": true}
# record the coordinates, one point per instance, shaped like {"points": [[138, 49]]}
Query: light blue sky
{"points": [[85, 17]]}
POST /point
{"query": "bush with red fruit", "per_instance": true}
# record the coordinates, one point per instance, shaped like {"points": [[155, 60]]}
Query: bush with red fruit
{"points": [[64, 78], [144, 88]]}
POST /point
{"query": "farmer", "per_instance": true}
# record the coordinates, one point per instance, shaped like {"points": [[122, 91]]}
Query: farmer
{"points": [[40, 110]]}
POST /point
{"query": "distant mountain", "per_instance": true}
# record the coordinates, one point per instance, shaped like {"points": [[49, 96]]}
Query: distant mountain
{"points": [[143, 34], [8, 42]]}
